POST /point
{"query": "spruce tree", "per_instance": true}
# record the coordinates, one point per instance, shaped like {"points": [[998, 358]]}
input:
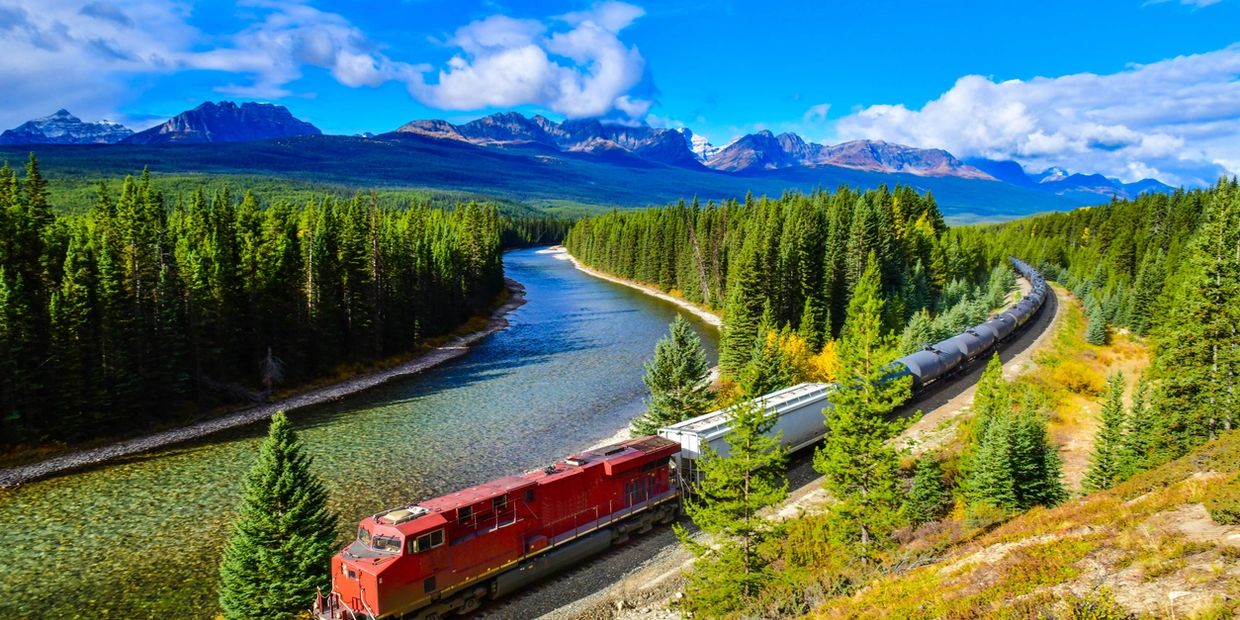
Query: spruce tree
{"points": [[858, 464], [990, 480], [732, 490], [1096, 328], [928, 497], [991, 399], [1037, 469], [1198, 354], [678, 377], [1140, 436], [1105, 461], [743, 312], [283, 536]]}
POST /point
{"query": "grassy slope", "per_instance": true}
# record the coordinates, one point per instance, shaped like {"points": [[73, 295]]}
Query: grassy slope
{"points": [[525, 173], [1147, 547], [1072, 373]]}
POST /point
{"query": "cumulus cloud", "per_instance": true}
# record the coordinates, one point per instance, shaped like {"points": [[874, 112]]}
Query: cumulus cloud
{"points": [[1177, 120], [273, 52], [574, 64]]}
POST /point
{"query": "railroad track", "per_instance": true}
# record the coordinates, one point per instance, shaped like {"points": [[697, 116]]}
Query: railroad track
{"points": [[612, 566]]}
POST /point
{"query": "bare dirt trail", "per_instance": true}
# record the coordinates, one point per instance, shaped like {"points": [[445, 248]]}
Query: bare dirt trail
{"points": [[454, 348]]}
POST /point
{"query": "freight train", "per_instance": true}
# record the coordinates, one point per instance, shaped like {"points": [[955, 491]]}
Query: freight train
{"points": [[448, 555]]}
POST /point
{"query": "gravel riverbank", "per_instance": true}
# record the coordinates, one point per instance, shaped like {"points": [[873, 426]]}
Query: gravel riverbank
{"points": [[562, 253], [453, 349]]}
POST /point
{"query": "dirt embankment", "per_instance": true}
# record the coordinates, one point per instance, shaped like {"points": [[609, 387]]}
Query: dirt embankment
{"points": [[452, 349]]}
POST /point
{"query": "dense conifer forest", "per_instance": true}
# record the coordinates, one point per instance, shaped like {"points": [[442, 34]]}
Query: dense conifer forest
{"points": [[792, 261], [152, 309], [1166, 267], [864, 277]]}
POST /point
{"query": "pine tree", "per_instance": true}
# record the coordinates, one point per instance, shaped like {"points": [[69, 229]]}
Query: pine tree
{"points": [[928, 497], [1096, 329], [1013, 465], [769, 368], [1141, 435], [990, 480], [1198, 354], [732, 490], [1105, 459], [991, 399], [743, 312], [283, 536], [678, 377], [1037, 469], [859, 467]]}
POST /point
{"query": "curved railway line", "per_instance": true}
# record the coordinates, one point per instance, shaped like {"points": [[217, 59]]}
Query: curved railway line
{"points": [[595, 575]]}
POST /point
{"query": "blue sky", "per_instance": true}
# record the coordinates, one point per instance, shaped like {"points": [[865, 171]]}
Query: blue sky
{"points": [[1125, 88]]}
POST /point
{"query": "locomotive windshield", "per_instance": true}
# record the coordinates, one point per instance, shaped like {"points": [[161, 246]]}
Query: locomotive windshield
{"points": [[363, 536], [386, 544]]}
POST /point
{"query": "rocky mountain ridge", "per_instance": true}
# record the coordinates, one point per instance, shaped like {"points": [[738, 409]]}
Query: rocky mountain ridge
{"points": [[225, 122], [62, 127]]}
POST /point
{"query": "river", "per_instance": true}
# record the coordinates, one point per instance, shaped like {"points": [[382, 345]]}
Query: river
{"points": [[141, 537]]}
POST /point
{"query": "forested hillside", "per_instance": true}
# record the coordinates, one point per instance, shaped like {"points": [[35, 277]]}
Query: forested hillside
{"points": [[148, 309], [1165, 267], [793, 261]]}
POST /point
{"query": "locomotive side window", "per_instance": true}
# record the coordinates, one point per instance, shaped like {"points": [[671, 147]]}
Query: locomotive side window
{"points": [[500, 503], [426, 542], [463, 514], [529, 496]]}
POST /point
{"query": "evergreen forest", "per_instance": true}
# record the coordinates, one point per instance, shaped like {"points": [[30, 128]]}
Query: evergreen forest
{"points": [[789, 262], [152, 309]]}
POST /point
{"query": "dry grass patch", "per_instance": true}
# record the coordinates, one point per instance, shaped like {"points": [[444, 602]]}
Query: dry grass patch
{"points": [[1072, 373]]}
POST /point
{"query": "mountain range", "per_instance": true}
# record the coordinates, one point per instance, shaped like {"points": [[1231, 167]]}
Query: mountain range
{"points": [[212, 123], [64, 128], [675, 162]]}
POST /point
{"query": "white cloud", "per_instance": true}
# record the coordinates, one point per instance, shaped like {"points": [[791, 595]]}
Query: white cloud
{"points": [[1176, 119], [291, 36], [579, 71], [574, 64], [816, 113], [1197, 4]]}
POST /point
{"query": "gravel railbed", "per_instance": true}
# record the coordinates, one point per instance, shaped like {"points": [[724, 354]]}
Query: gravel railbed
{"points": [[637, 580], [453, 349]]}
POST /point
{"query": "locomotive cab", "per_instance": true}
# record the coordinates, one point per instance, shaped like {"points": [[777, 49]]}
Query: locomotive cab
{"points": [[403, 546]]}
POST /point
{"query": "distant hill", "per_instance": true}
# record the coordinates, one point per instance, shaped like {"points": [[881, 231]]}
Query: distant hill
{"points": [[65, 128], [1083, 187], [665, 146], [215, 123], [528, 171], [788, 150], [537, 160]]}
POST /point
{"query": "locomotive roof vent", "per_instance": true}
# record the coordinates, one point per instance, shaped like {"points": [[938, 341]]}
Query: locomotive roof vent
{"points": [[401, 515], [576, 461]]}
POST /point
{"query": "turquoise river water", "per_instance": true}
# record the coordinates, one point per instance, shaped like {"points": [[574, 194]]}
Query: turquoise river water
{"points": [[141, 537]]}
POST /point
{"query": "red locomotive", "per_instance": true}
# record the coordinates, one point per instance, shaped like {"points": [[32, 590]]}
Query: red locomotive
{"points": [[446, 555]]}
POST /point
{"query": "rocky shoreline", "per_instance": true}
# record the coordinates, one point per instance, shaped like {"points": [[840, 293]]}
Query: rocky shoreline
{"points": [[708, 317], [458, 346]]}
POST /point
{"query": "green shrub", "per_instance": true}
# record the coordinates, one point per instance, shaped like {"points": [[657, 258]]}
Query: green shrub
{"points": [[1224, 503], [1100, 605], [983, 515]]}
